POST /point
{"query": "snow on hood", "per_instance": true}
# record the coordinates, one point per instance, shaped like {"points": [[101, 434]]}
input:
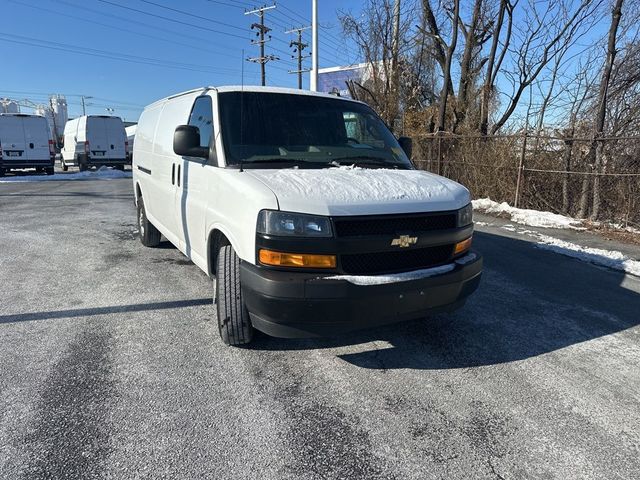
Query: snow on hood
{"points": [[361, 191]]}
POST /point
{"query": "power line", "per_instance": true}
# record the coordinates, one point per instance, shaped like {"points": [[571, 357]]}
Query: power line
{"points": [[134, 32], [170, 19], [182, 12], [111, 55]]}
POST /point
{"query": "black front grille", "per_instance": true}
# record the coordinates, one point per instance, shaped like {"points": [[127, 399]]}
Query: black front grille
{"points": [[396, 261], [392, 224]]}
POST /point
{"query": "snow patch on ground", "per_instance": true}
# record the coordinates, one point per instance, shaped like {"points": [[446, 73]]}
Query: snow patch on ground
{"points": [[103, 173], [597, 256], [533, 218], [607, 258], [404, 276]]}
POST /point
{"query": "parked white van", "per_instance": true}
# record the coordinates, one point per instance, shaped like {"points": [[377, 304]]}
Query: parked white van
{"points": [[131, 138], [94, 141], [305, 210], [25, 142]]}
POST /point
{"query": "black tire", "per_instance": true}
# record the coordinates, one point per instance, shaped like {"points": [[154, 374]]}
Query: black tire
{"points": [[2, 172], [119, 167], [65, 167], [234, 323], [82, 167], [49, 171], [149, 235]]}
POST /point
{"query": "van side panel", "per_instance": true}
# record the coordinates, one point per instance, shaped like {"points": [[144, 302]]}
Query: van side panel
{"points": [[161, 185], [69, 149], [142, 167]]}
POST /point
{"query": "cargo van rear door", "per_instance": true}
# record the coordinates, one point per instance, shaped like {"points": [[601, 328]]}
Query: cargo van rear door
{"points": [[36, 134], [12, 138], [97, 137], [116, 137]]}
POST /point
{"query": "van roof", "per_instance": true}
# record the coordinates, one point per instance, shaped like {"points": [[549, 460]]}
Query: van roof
{"points": [[20, 115], [254, 88]]}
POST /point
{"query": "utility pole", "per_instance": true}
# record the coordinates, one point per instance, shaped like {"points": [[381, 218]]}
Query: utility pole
{"points": [[313, 84], [299, 47], [84, 109], [262, 31]]}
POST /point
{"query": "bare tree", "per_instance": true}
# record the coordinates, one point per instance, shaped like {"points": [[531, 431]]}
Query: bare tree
{"points": [[447, 66], [543, 38], [380, 35], [598, 127], [492, 66], [476, 34]]}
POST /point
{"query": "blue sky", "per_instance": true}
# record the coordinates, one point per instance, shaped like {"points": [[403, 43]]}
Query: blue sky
{"points": [[202, 46]]}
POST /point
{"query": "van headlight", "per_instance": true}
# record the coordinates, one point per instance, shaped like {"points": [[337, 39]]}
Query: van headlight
{"points": [[465, 216], [274, 222]]}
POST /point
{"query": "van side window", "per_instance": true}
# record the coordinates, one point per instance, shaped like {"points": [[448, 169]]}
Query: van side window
{"points": [[202, 117]]}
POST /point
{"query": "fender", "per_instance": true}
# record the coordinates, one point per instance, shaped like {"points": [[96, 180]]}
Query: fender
{"points": [[229, 236]]}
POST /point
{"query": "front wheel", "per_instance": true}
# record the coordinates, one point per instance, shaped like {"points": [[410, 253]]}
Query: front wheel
{"points": [[234, 323], [65, 167], [149, 235]]}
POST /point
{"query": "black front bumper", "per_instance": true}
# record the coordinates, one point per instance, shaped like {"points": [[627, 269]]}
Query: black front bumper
{"points": [[298, 305]]}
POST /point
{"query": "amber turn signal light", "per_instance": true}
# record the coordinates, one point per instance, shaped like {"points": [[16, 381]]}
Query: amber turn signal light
{"points": [[304, 260], [462, 246]]}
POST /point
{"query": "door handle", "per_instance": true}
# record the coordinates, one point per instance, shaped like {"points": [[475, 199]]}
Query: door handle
{"points": [[179, 175], [173, 174]]}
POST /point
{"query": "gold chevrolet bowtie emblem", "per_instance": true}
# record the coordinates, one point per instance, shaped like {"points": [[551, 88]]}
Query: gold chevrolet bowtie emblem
{"points": [[404, 241]]}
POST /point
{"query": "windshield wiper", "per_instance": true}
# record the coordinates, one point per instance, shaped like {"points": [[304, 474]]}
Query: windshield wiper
{"points": [[365, 160], [285, 161]]}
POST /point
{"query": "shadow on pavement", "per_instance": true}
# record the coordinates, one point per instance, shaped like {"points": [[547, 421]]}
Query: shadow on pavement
{"points": [[87, 312], [530, 302]]}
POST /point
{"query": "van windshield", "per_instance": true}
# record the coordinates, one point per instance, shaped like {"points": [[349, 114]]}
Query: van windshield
{"points": [[263, 129]]}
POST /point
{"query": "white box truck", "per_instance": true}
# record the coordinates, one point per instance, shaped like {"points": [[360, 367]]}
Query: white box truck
{"points": [[305, 210], [94, 141], [25, 142]]}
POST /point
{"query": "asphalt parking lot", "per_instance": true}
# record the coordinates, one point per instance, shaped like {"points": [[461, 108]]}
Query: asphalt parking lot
{"points": [[112, 366]]}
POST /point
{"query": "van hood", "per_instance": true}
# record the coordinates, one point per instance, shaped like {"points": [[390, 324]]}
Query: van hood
{"points": [[362, 191]]}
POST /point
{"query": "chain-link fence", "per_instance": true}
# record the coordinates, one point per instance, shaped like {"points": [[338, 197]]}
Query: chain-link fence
{"points": [[542, 172]]}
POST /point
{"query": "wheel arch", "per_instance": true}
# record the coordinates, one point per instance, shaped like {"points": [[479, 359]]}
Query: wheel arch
{"points": [[138, 192], [216, 239]]}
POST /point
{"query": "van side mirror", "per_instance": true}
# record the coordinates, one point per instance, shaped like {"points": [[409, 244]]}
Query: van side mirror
{"points": [[186, 142], [407, 145]]}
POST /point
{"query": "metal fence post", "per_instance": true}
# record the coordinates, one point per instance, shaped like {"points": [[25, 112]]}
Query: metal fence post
{"points": [[439, 154], [523, 152]]}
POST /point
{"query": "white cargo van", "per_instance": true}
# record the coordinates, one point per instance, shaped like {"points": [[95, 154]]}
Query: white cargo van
{"points": [[25, 142], [94, 141], [305, 210], [131, 138]]}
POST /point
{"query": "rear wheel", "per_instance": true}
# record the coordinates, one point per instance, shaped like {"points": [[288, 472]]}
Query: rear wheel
{"points": [[49, 170], [65, 167], [234, 323], [149, 235]]}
